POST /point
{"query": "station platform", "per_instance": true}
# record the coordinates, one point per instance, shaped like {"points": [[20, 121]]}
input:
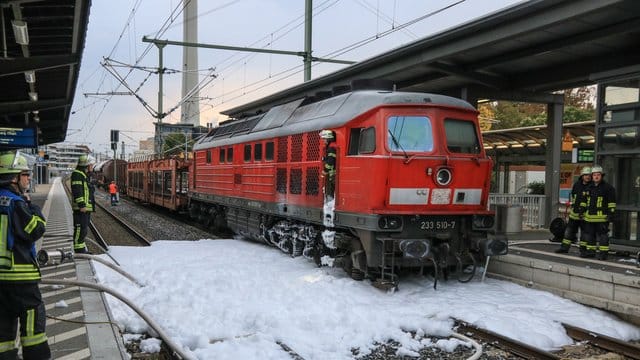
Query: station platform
{"points": [[79, 327], [612, 285]]}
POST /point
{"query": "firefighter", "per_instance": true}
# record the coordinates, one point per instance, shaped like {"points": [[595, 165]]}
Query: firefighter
{"points": [[113, 191], [601, 207], [329, 162], [578, 199], [21, 225], [82, 190]]}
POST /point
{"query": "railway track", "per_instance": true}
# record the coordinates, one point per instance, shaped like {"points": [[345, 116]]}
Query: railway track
{"points": [[105, 224], [507, 344], [110, 222], [525, 351]]}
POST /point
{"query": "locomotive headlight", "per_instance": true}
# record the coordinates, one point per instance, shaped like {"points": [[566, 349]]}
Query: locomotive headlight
{"points": [[483, 221], [389, 223], [443, 177]]}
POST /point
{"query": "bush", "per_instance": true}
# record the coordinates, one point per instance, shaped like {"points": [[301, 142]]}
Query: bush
{"points": [[536, 188]]}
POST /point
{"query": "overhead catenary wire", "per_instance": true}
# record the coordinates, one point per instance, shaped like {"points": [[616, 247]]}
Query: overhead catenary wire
{"points": [[273, 79]]}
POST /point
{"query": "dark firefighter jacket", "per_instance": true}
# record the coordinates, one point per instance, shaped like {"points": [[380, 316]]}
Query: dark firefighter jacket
{"points": [[601, 202], [21, 224], [579, 194], [81, 191], [329, 160]]}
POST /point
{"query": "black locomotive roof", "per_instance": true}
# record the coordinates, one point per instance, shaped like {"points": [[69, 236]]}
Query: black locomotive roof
{"points": [[298, 117]]}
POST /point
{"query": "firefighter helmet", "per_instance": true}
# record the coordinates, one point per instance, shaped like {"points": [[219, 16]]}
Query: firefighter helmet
{"points": [[13, 163], [597, 169], [327, 134], [585, 171], [85, 160]]}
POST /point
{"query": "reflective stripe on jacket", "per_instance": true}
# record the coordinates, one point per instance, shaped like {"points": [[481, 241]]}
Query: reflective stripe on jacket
{"points": [[21, 224], [80, 191], [579, 194], [601, 202]]}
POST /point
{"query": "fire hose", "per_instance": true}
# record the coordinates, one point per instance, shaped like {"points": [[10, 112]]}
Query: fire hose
{"points": [[62, 256]]}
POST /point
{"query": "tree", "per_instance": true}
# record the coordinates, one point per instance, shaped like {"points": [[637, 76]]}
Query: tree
{"points": [[536, 188], [486, 117], [175, 143], [578, 106]]}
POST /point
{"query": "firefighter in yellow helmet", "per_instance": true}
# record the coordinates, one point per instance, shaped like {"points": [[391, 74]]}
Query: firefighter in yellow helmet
{"points": [[578, 198], [82, 191], [21, 225], [601, 209]]}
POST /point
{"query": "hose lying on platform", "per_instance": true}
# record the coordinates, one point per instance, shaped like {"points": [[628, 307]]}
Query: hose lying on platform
{"points": [[177, 350]]}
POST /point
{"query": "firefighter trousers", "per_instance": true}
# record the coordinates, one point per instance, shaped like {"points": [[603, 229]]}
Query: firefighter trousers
{"points": [[80, 228], [22, 302]]}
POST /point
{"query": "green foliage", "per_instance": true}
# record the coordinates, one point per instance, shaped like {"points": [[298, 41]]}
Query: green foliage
{"points": [[174, 144], [536, 188], [579, 106]]}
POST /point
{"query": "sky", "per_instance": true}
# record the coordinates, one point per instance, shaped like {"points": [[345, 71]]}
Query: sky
{"points": [[352, 30], [233, 299]]}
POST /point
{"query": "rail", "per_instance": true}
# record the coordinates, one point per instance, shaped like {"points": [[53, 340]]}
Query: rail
{"points": [[533, 207]]}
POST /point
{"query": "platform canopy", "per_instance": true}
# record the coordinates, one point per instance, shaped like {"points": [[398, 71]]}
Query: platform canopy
{"points": [[43, 43], [529, 143]]}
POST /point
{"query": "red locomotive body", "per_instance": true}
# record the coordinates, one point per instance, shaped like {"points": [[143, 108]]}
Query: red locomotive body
{"points": [[411, 182], [162, 182]]}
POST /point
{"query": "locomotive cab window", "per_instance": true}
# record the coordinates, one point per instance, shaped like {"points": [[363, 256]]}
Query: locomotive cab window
{"points": [[366, 140], [208, 156], [461, 136], [409, 134], [222, 156]]}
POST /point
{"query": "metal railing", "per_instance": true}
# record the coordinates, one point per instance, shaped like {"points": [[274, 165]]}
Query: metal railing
{"points": [[533, 207]]}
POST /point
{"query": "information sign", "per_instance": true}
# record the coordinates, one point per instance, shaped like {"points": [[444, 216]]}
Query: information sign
{"points": [[17, 138]]}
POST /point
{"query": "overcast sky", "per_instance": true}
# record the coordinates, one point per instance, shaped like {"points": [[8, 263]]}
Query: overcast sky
{"points": [[344, 27]]}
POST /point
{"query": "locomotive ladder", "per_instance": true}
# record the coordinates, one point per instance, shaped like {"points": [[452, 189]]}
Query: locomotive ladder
{"points": [[388, 263]]}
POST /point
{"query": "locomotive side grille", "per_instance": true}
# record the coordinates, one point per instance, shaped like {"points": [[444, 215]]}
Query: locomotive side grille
{"points": [[295, 186], [283, 147], [313, 180], [281, 180], [296, 148], [313, 146], [237, 179]]}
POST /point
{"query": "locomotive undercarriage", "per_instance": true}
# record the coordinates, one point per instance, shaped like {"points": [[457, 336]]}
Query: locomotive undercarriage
{"points": [[380, 256]]}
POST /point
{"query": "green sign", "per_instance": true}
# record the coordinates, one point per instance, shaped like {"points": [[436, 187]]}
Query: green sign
{"points": [[585, 155]]}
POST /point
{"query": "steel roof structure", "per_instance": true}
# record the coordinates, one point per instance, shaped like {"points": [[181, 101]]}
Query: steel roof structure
{"points": [[529, 144], [42, 44], [521, 53]]}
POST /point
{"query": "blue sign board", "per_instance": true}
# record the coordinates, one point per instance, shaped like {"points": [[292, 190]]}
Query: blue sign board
{"points": [[18, 138]]}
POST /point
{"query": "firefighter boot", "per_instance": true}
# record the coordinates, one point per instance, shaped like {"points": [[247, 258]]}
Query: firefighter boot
{"points": [[563, 249], [602, 255], [588, 253]]}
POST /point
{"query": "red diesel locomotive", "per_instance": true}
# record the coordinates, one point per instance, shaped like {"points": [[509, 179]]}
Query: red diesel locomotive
{"points": [[411, 182]]}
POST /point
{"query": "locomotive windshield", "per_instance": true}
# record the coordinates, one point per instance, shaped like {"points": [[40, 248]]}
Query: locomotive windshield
{"points": [[461, 136], [409, 134]]}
